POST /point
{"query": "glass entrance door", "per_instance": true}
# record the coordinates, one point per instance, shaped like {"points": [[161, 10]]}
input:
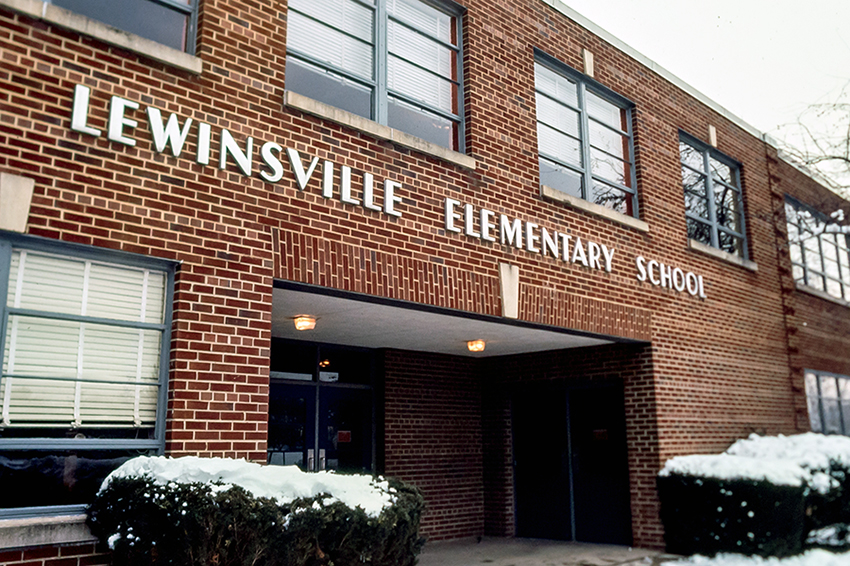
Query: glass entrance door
{"points": [[321, 407]]}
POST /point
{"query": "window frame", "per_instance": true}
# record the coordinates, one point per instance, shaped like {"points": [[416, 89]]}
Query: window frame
{"points": [[819, 377], [8, 241], [190, 9], [808, 272], [380, 92], [709, 152], [584, 84]]}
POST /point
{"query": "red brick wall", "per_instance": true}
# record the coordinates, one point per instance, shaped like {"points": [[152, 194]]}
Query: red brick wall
{"points": [[87, 554], [432, 438], [818, 329], [720, 367]]}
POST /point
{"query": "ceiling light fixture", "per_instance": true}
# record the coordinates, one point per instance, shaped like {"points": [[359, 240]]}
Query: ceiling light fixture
{"points": [[304, 322], [475, 345]]}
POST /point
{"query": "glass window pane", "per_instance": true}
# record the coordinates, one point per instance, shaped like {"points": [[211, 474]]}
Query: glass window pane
{"points": [[141, 17], [418, 84], [47, 283], [609, 140], [558, 146], [790, 213], [611, 197], [833, 287], [558, 87], [328, 88], [696, 204], [831, 416], [732, 244], [426, 18], [691, 156], [813, 258], [830, 268], [421, 123], [799, 273], [721, 171], [699, 231], [828, 248], [328, 45], [415, 47], [41, 479], [557, 115], [610, 168], [726, 207], [346, 15], [605, 111], [813, 399], [560, 178], [814, 280], [796, 253], [693, 181]]}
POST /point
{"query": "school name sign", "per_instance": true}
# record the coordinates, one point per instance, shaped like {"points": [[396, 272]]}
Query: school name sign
{"points": [[340, 182]]}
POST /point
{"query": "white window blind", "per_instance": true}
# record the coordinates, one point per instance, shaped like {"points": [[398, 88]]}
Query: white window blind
{"points": [[92, 368]]}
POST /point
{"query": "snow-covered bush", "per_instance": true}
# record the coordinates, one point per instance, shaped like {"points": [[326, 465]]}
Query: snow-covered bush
{"points": [[763, 496], [199, 511]]}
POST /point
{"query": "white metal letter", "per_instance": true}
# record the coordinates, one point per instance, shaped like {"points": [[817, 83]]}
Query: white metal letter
{"points": [[272, 161], [171, 133], [80, 111], [117, 120]]}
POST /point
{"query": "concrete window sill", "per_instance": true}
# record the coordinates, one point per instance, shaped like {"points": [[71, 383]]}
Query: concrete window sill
{"points": [[802, 287], [37, 531], [595, 209], [724, 256], [374, 129], [75, 22]]}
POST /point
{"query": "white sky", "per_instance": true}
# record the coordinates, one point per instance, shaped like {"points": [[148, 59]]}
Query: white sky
{"points": [[763, 60]]}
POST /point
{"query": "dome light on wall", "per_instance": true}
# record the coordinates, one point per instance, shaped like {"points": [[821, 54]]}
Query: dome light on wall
{"points": [[475, 345]]}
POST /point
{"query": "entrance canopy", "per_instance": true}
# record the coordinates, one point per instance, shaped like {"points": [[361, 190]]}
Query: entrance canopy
{"points": [[372, 322]]}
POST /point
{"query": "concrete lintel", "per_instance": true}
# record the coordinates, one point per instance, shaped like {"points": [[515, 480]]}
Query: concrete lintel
{"points": [[15, 199], [37, 531], [725, 256], [595, 209], [374, 129]]}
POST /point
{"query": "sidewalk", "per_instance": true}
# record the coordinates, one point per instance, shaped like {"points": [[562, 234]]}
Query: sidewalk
{"points": [[535, 552]]}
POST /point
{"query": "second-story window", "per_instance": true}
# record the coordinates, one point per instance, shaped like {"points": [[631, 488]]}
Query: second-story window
{"points": [[584, 137], [713, 201], [396, 62], [820, 250], [170, 22]]}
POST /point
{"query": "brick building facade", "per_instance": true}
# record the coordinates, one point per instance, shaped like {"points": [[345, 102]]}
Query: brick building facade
{"points": [[515, 176]]}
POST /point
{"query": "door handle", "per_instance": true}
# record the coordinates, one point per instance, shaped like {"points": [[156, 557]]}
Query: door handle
{"points": [[322, 459], [310, 459]]}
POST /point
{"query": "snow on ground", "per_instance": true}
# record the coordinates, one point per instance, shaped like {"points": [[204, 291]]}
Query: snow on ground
{"points": [[283, 483], [810, 558]]}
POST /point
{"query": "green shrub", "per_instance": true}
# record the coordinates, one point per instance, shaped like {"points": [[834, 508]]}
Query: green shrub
{"points": [[198, 524], [744, 516]]}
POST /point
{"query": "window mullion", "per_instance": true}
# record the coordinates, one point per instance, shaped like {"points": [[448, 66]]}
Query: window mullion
{"points": [[709, 195], [584, 134], [379, 95]]}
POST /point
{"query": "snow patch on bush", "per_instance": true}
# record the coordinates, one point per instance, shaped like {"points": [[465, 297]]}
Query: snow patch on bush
{"points": [[802, 459], [282, 483], [727, 467]]}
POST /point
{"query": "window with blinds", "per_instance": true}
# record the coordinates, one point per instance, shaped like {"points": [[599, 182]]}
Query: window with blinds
{"points": [[85, 336], [584, 137], [393, 61], [82, 344]]}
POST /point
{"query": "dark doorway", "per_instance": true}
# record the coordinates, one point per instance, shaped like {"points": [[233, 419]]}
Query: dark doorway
{"points": [[321, 407], [570, 462]]}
